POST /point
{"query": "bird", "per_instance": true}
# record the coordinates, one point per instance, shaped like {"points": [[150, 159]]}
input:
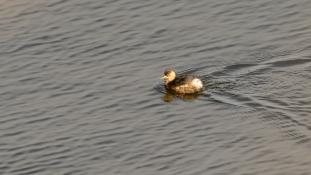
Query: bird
{"points": [[183, 84]]}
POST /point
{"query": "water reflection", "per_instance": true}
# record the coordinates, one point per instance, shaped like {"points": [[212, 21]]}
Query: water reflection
{"points": [[169, 97]]}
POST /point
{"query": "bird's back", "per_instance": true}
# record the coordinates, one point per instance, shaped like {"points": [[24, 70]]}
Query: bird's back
{"points": [[184, 84]]}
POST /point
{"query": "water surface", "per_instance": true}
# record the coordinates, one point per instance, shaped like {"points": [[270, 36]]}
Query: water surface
{"points": [[81, 94]]}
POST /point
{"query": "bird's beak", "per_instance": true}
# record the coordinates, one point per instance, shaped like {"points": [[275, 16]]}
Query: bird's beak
{"points": [[164, 77]]}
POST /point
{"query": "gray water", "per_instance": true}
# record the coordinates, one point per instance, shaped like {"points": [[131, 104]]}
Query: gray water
{"points": [[80, 89]]}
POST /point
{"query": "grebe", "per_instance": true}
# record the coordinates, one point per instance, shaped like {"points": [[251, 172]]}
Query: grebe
{"points": [[185, 84]]}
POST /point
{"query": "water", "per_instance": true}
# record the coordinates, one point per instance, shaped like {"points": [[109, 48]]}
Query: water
{"points": [[81, 94]]}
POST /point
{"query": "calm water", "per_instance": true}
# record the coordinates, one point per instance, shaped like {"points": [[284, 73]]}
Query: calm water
{"points": [[80, 89]]}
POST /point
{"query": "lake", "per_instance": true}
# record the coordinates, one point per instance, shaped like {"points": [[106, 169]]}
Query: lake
{"points": [[81, 91]]}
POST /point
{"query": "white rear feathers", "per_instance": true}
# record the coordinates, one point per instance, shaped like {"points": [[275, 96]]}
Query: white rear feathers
{"points": [[197, 83]]}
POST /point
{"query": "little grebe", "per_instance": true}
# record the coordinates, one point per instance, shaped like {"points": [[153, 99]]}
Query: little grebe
{"points": [[185, 84]]}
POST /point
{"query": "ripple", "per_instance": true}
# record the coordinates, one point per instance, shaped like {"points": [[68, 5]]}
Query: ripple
{"points": [[80, 90]]}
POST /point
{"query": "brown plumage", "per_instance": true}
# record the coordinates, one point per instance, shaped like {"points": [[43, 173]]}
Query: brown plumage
{"points": [[185, 84]]}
